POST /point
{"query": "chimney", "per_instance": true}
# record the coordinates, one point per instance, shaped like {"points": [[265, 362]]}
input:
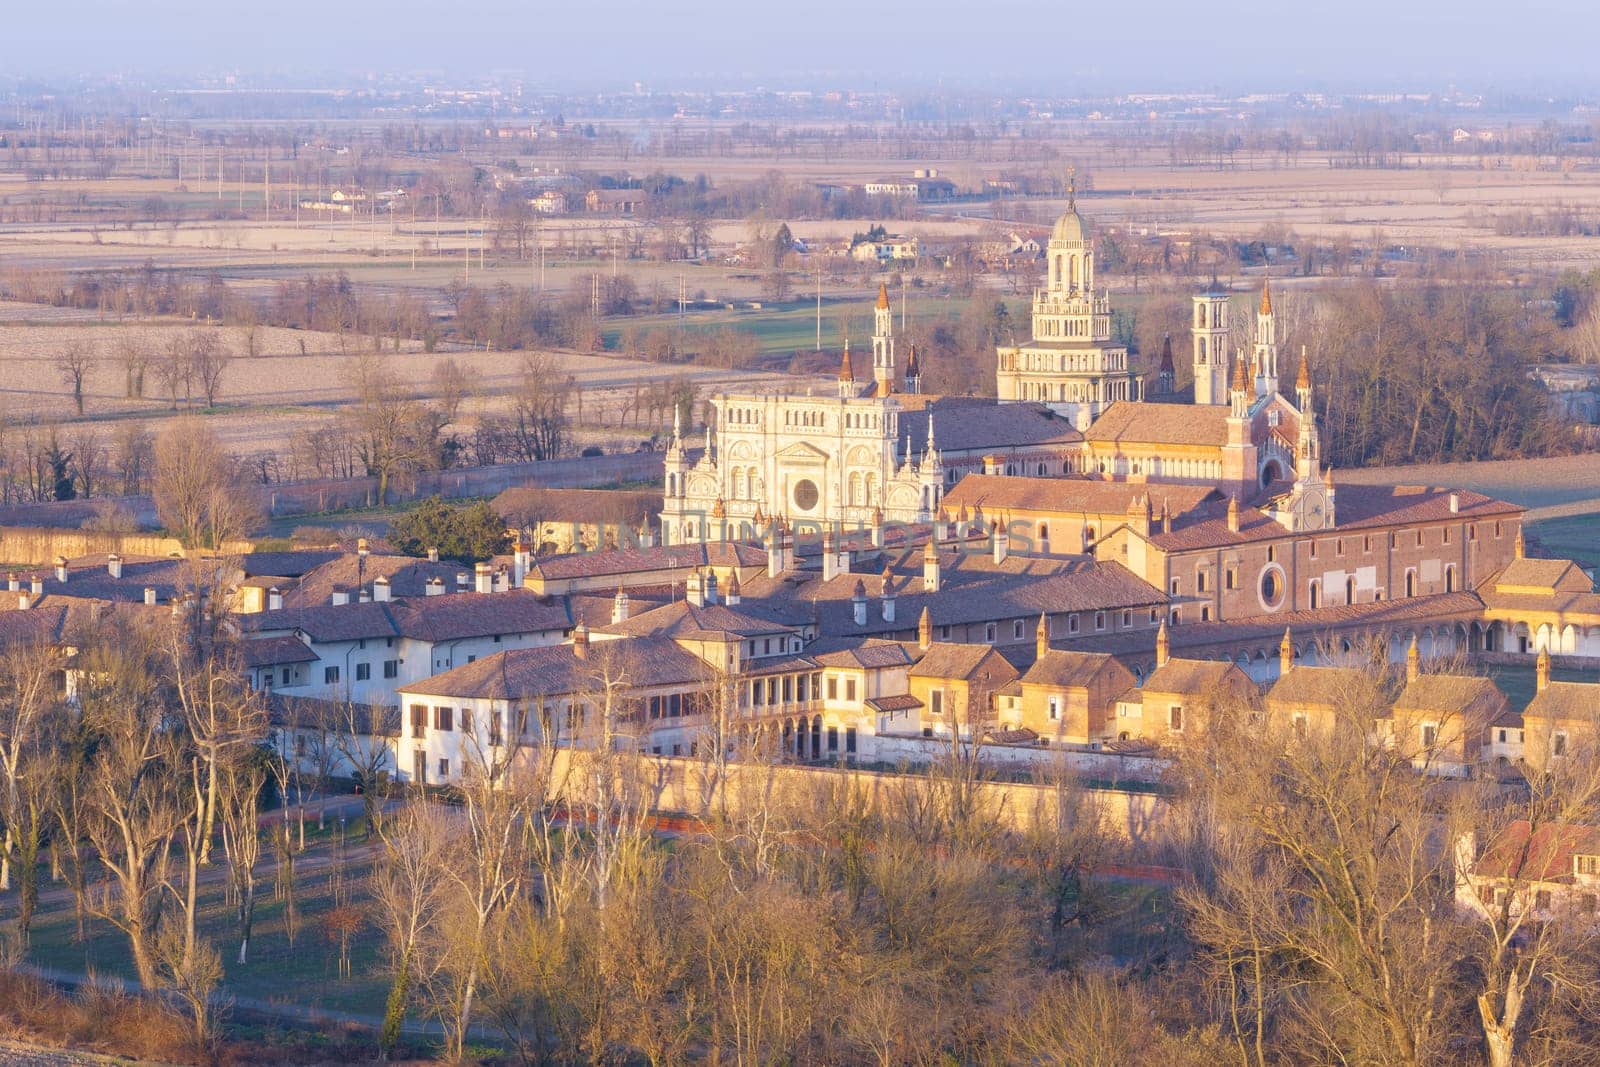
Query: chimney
{"points": [[694, 589], [830, 556], [711, 586], [114, 565], [179, 604], [61, 568], [877, 527], [1233, 514], [1455, 503], [149, 595], [24, 601], [274, 598], [483, 578], [732, 596], [1041, 637], [774, 546], [435, 587], [37, 586], [930, 568], [1163, 645], [1166, 517], [925, 630], [363, 595], [341, 596], [380, 589], [463, 581], [519, 563], [962, 523], [858, 603], [502, 580], [580, 641], [1541, 671], [1000, 540], [1285, 654], [361, 547], [889, 596], [433, 555], [619, 606], [1413, 661], [13, 583]]}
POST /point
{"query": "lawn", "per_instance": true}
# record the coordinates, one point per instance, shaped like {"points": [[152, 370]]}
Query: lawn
{"points": [[1570, 537], [305, 973]]}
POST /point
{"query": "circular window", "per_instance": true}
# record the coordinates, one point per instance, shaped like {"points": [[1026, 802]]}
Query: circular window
{"points": [[805, 494], [1271, 587]]}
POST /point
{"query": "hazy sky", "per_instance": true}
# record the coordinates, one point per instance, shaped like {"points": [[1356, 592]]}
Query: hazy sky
{"points": [[1054, 46]]}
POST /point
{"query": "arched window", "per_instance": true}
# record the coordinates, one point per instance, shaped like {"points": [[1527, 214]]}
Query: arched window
{"points": [[1316, 595], [1411, 583], [1349, 590]]}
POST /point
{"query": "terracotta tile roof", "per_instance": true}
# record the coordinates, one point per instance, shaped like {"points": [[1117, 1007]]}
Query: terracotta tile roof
{"points": [[1551, 574], [290, 564], [528, 503], [974, 424], [408, 577], [1070, 670], [637, 663], [424, 618], [1305, 625], [1139, 422], [997, 494], [1358, 507], [973, 589], [717, 621], [901, 702], [88, 578], [1542, 855], [1318, 686], [621, 561], [967, 662], [1478, 699], [871, 654], [1193, 676], [1566, 702], [270, 651]]}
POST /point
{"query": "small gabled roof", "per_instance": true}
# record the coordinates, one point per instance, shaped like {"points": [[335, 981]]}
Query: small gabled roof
{"points": [[1452, 694], [1070, 670], [1316, 685], [1566, 702], [963, 662], [1194, 676]]}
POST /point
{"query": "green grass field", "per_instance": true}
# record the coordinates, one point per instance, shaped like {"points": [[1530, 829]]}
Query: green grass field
{"points": [[1570, 537], [305, 973]]}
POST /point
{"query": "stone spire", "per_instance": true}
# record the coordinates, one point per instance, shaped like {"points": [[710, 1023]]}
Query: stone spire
{"points": [[925, 630], [1163, 645], [1285, 653], [1041, 637]]}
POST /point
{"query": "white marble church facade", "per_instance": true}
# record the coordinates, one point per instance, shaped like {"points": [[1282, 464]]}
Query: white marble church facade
{"points": [[1069, 404]]}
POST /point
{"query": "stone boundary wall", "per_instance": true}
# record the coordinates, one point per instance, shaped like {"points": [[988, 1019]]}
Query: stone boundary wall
{"points": [[682, 785]]}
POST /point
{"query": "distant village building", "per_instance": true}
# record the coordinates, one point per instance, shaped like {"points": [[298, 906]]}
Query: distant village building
{"points": [[614, 201]]}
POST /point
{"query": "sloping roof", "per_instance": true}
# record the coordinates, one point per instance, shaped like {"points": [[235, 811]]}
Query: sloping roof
{"points": [[684, 620], [1072, 496], [899, 702], [1566, 702], [871, 654], [1357, 507], [1542, 855], [451, 617], [1551, 574], [1455, 694], [291, 564], [408, 577], [1317, 686], [636, 663], [1194, 676], [945, 659], [1067, 669], [620, 561], [1139, 422], [972, 589], [271, 651], [382, 720], [976, 424]]}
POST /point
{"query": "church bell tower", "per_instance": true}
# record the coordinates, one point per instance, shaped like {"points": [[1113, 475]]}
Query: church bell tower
{"points": [[1210, 332], [883, 343]]}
